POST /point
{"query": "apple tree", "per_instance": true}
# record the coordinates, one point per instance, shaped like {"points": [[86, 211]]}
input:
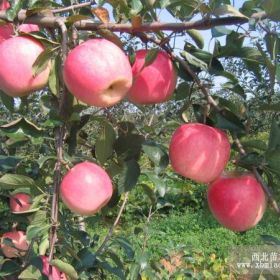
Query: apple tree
{"points": [[96, 94]]}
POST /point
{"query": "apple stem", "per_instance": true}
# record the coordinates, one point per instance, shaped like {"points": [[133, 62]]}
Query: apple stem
{"points": [[59, 136], [103, 246]]}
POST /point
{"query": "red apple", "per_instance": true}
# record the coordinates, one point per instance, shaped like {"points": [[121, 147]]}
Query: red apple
{"points": [[4, 5], [56, 274], [86, 188], [18, 55], [98, 73], [238, 203], [154, 83], [6, 30], [20, 244], [20, 202], [199, 152]]}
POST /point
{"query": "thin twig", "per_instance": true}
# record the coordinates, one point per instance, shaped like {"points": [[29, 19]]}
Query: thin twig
{"points": [[73, 7], [102, 248]]}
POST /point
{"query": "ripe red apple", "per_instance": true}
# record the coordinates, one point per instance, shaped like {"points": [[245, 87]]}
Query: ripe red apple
{"points": [[199, 152], [56, 274], [4, 5], [238, 203], [86, 188], [20, 244], [20, 202], [154, 83], [18, 55], [98, 73]]}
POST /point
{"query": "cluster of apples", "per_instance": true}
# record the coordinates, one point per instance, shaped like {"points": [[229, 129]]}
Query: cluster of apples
{"points": [[98, 73], [20, 203], [200, 152]]}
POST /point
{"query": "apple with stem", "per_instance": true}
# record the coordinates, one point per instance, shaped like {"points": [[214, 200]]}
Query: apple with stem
{"points": [[199, 152], [98, 73], [86, 188], [154, 83], [237, 202]]}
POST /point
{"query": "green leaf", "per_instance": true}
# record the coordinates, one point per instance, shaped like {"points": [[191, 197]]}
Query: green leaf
{"points": [[194, 60], [274, 136], [31, 273], [105, 142], [13, 11], [183, 91], [44, 245], [272, 8], [114, 270], [278, 71], [272, 158], [126, 246], [234, 87], [151, 56], [129, 176], [219, 31], [9, 267], [150, 193], [54, 83], [8, 101], [128, 146], [251, 160], [227, 9], [136, 7], [86, 259], [36, 231], [254, 144], [158, 182], [12, 181], [42, 62], [225, 119], [21, 128], [197, 37], [8, 163], [68, 269], [156, 154]]}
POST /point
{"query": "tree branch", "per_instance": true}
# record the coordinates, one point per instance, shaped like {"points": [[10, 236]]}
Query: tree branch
{"points": [[60, 132], [102, 248], [203, 24]]}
